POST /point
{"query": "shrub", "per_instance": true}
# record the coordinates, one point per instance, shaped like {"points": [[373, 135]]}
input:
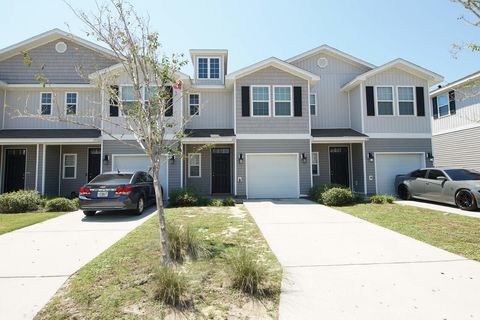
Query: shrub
{"points": [[216, 203], [316, 192], [176, 242], [77, 202], [203, 202], [170, 286], [338, 197], [194, 246], [229, 202], [382, 199], [247, 273], [20, 201], [183, 198], [61, 204]]}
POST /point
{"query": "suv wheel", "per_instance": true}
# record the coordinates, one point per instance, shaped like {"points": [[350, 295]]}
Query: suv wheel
{"points": [[465, 200]]}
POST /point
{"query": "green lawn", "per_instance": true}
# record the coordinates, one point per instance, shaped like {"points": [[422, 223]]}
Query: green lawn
{"points": [[119, 283], [14, 221], [452, 232]]}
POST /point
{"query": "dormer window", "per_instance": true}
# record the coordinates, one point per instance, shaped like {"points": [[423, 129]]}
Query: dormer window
{"points": [[209, 68]]}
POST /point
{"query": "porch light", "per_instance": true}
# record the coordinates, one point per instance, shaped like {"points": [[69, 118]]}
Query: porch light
{"points": [[172, 159], [430, 156], [240, 158], [370, 156], [304, 157], [106, 159]]}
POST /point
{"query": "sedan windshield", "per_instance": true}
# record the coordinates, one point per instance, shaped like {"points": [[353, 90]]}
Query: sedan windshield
{"points": [[463, 174], [117, 178]]}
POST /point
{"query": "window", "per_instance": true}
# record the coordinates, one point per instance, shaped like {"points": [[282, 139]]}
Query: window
{"points": [[406, 101], [282, 100], [46, 103], [443, 106], [315, 167], [128, 98], [418, 174], [434, 174], [261, 101], [114, 95], [208, 68], [69, 166], [194, 162], [71, 103], [463, 174], [385, 101], [194, 104], [313, 104]]}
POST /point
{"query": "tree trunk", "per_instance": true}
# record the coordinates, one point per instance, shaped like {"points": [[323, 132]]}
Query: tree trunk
{"points": [[161, 217]]}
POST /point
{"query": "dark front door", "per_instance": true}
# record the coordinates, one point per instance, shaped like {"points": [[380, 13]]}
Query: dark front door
{"points": [[14, 169], [94, 158], [339, 166], [221, 170]]}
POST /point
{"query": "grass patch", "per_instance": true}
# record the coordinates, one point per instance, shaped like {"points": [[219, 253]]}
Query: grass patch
{"points": [[125, 281], [455, 233], [14, 221]]}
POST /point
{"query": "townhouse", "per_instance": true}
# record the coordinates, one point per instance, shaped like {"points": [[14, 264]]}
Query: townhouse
{"points": [[456, 123], [272, 129]]}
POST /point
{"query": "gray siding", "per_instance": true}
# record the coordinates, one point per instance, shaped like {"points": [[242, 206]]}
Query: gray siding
{"points": [[357, 168], [457, 149], [356, 109], [398, 124], [27, 101], [332, 105], [275, 146], [52, 170], [393, 145], [271, 125], [216, 110], [67, 186], [73, 66], [2, 105], [31, 164]]}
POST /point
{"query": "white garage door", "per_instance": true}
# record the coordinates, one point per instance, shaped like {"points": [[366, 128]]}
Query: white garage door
{"points": [[140, 162], [272, 176], [389, 165]]}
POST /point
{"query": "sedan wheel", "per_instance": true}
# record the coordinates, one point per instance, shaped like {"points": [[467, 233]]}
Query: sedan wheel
{"points": [[465, 200], [403, 192], [140, 206]]}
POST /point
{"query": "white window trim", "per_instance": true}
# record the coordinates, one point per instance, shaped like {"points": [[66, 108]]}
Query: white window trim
{"points": [[414, 102], [74, 166], [377, 101], [448, 105], [76, 103], [51, 102], [199, 102], [199, 164], [290, 101], [310, 103], [317, 163], [208, 68], [251, 100]]}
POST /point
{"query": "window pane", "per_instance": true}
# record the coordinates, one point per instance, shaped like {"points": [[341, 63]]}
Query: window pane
{"points": [[314, 169], [260, 93], [260, 108], [194, 160], [384, 93], [313, 99], [443, 110], [113, 111], [194, 99], [405, 93], [71, 98], [406, 108], [312, 109], [69, 172], [313, 104], [214, 68], [195, 171], [46, 98], [442, 100], [433, 174], [71, 109], [385, 108], [282, 93], [314, 157], [128, 94], [151, 92], [282, 108], [193, 109], [46, 109], [69, 160], [203, 68]]}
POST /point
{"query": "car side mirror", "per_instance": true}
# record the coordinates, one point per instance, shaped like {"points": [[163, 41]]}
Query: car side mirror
{"points": [[441, 178]]}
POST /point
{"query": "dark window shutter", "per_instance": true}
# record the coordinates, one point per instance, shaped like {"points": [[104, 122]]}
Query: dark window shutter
{"points": [[435, 108], [420, 102], [169, 105], [114, 92], [297, 101], [370, 101], [246, 101], [451, 100]]}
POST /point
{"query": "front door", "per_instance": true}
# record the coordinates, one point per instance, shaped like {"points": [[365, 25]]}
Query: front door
{"points": [[221, 170], [94, 158], [339, 166], [14, 169]]}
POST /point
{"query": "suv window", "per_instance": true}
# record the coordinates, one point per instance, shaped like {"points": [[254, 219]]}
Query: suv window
{"points": [[433, 174], [418, 174]]}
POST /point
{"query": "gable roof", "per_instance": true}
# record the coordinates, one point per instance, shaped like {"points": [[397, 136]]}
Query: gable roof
{"points": [[49, 36], [327, 49], [402, 64], [277, 63], [473, 77]]}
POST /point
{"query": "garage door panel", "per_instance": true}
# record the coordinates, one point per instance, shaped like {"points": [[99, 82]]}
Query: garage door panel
{"points": [[390, 165]]}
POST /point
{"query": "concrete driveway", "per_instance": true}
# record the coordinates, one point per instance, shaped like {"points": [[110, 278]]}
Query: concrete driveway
{"points": [[341, 267], [37, 260]]}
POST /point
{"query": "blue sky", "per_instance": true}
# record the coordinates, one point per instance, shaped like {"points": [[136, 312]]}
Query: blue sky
{"points": [[377, 31]]}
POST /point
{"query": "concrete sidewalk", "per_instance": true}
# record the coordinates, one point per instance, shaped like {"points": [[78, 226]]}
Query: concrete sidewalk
{"points": [[341, 267], [37, 260]]}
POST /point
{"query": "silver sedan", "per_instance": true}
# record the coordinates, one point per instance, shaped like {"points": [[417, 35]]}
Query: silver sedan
{"points": [[456, 186]]}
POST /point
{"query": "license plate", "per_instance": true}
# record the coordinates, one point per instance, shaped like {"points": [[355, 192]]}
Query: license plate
{"points": [[102, 194]]}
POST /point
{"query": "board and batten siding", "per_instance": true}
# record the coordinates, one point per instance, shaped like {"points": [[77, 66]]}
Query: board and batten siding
{"points": [[356, 109], [216, 110], [2, 105], [298, 146], [457, 149], [272, 125], [59, 67], [52, 170], [393, 145], [332, 104], [27, 101], [31, 164], [397, 124]]}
